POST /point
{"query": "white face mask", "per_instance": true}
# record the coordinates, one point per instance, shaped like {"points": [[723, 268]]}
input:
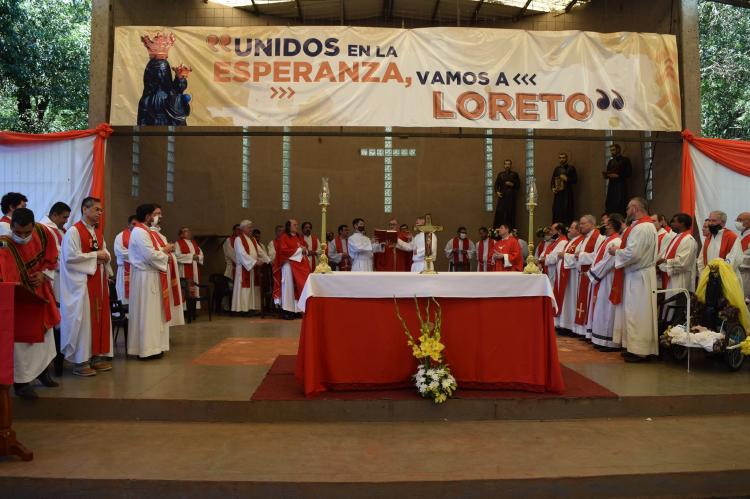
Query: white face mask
{"points": [[155, 220], [739, 226], [462, 236], [21, 240]]}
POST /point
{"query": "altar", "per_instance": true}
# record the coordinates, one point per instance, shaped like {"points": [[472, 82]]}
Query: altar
{"points": [[498, 330]]}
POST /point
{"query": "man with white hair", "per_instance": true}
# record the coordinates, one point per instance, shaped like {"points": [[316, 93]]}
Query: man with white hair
{"points": [[584, 259], [720, 243], [245, 293], [743, 226], [632, 286]]}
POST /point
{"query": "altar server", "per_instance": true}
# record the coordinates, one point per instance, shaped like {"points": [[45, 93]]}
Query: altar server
{"points": [[361, 248]]}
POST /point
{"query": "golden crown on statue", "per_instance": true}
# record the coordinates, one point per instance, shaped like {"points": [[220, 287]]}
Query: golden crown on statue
{"points": [[158, 46]]}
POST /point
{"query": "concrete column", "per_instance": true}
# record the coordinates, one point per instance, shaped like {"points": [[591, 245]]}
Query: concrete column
{"points": [[100, 72], [689, 58]]}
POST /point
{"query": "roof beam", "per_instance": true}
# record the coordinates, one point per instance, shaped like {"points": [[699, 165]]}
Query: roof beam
{"points": [[476, 12], [434, 10], [255, 7], [387, 9], [570, 5], [522, 11], [299, 11], [343, 13]]}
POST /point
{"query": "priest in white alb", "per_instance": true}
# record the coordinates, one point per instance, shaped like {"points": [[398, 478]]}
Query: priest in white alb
{"points": [[743, 227], [312, 243], [633, 285], [150, 310], [361, 247], [228, 249], [246, 292], [173, 274], [553, 251], [338, 250], [122, 278], [419, 247], [460, 251], [601, 274], [566, 283], [720, 243], [189, 257], [677, 260], [85, 327], [484, 247], [584, 259]]}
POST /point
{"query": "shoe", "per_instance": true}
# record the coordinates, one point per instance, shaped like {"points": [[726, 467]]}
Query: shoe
{"points": [[634, 358], [287, 316], [84, 371], [25, 391], [152, 357], [101, 366], [47, 380]]}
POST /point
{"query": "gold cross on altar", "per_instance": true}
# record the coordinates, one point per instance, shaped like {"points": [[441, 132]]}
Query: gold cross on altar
{"points": [[428, 229], [580, 310]]}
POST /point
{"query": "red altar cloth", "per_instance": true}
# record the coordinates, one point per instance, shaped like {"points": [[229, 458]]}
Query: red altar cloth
{"points": [[358, 343]]}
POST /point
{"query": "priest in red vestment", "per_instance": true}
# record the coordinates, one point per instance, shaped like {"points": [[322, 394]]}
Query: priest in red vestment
{"points": [[485, 248], [10, 202], [395, 257], [293, 267], [338, 250], [507, 253], [29, 256]]}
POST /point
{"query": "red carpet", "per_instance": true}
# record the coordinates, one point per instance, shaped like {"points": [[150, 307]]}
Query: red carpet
{"points": [[280, 384]]}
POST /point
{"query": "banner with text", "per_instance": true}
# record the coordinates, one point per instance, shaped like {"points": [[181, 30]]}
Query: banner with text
{"points": [[430, 77]]}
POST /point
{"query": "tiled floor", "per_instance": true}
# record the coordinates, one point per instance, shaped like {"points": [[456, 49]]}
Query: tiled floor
{"points": [[226, 359]]}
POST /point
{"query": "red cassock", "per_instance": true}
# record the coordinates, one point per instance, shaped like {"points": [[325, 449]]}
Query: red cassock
{"points": [[287, 246], [393, 259], [18, 261], [510, 247]]}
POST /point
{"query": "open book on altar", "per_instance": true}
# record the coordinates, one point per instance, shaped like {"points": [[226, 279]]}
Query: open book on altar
{"points": [[386, 236]]}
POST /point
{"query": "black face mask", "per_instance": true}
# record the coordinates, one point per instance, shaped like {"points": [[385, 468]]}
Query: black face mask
{"points": [[676, 230], [361, 228], [603, 230], [555, 236], [714, 229]]}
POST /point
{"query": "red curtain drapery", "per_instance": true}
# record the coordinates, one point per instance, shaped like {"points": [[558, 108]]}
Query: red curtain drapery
{"points": [[102, 132], [734, 154]]}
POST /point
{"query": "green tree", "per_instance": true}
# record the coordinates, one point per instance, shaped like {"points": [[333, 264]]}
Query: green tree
{"points": [[44, 64], [725, 70]]}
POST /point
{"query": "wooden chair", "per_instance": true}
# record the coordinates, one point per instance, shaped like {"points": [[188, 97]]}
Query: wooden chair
{"points": [[191, 301], [222, 289]]}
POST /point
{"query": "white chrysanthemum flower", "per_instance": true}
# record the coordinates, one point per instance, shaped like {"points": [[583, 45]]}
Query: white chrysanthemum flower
{"points": [[433, 385], [446, 383], [422, 388]]}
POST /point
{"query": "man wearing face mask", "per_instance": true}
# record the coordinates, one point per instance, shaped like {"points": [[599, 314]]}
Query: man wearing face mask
{"points": [[743, 227], [553, 251], [361, 248], [459, 251], [28, 256], [601, 274], [677, 260], [720, 243], [175, 288], [86, 330], [150, 264]]}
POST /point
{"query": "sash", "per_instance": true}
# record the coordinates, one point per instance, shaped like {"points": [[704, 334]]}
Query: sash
{"points": [[615, 296], [126, 266], [582, 303], [541, 248], [671, 252], [158, 244], [245, 272], [561, 281], [276, 271], [465, 244], [257, 269], [5, 219], [346, 262], [745, 242], [98, 291], [481, 261], [312, 253], [727, 241], [191, 269], [599, 257]]}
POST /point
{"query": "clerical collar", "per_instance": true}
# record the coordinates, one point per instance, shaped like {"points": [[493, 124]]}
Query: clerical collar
{"points": [[90, 227]]}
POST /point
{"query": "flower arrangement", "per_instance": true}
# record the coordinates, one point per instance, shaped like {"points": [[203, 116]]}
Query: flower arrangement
{"points": [[433, 378]]}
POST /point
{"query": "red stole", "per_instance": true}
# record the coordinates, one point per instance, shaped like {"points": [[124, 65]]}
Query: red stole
{"points": [[276, 271], [542, 248], [582, 304], [190, 272], [98, 290], [245, 272], [17, 261], [671, 252], [287, 247], [346, 262], [464, 247], [126, 272], [5, 219], [615, 296], [727, 241], [745, 242], [561, 282], [482, 246], [312, 253]]}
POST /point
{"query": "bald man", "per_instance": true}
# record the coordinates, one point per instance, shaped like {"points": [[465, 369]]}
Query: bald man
{"points": [[743, 227]]}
